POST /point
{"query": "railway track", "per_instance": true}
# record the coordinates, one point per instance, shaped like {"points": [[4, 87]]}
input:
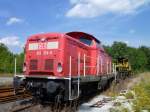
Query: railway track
{"points": [[7, 95], [22, 107]]}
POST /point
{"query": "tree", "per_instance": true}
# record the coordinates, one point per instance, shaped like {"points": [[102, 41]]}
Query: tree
{"points": [[137, 58], [7, 60], [146, 51], [20, 60], [108, 49], [119, 49]]}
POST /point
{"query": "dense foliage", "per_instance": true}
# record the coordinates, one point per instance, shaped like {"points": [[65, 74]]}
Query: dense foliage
{"points": [[7, 60], [139, 58], [142, 93]]}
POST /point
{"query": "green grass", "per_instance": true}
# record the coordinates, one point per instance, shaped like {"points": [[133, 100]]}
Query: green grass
{"points": [[142, 94], [139, 94], [6, 75]]}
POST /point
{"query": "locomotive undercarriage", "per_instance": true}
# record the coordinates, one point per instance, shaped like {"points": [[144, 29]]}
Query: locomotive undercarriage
{"points": [[42, 89], [58, 90]]}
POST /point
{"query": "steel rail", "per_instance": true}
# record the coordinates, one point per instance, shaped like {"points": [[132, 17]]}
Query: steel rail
{"points": [[23, 107], [7, 94], [12, 98]]}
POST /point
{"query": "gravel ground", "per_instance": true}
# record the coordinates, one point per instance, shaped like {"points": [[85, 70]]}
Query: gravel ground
{"points": [[85, 107], [4, 81], [6, 107]]}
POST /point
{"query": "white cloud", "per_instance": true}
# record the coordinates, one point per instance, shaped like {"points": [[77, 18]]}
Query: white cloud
{"points": [[10, 41], [13, 20], [127, 42], [93, 8], [13, 43]]}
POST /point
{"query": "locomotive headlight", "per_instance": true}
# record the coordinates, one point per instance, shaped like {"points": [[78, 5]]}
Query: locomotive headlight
{"points": [[24, 67], [59, 68]]}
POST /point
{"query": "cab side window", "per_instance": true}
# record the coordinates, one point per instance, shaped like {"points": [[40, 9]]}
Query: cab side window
{"points": [[85, 40]]}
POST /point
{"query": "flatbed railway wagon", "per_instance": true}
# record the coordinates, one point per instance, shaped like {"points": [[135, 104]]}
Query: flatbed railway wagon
{"points": [[64, 65]]}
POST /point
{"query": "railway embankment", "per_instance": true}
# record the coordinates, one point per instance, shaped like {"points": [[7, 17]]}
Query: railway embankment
{"points": [[130, 95]]}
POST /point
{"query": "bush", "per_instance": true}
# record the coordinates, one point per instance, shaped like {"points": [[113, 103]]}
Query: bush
{"points": [[129, 95], [142, 92]]}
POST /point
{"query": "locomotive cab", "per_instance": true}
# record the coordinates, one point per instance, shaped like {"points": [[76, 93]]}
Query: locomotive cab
{"points": [[43, 65], [43, 56]]}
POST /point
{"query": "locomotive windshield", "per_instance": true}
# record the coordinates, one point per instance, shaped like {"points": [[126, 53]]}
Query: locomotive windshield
{"points": [[85, 40]]}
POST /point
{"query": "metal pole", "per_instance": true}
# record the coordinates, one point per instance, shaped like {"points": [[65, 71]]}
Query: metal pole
{"points": [[113, 69], [15, 66], [70, 78], [107, 67], [84, 65], [70, 67], [110, 68], [78, 74], [115, 73], [101, 66], [97, 65]]}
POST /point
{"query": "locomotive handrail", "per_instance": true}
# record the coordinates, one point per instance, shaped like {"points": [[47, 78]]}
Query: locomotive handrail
{"points": [[70, 78], [84, 65], [109, 70], [107, 64], [78, 74], [15, 67], [101, 63], [97, 65], [114, 71], [110, 67]]}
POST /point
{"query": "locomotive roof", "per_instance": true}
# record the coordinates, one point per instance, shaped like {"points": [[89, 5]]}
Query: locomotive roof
{"points": [[80, 34], [44, 35], [72, 34]]}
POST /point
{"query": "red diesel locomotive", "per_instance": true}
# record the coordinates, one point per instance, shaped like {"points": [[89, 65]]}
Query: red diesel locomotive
{"points": [[63, 65]]}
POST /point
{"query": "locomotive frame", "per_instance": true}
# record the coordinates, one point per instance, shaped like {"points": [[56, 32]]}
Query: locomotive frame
{"points": [[71, 86]]}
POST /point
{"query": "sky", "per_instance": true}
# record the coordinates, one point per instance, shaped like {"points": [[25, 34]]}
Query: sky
{"points": [[107, 20]]}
